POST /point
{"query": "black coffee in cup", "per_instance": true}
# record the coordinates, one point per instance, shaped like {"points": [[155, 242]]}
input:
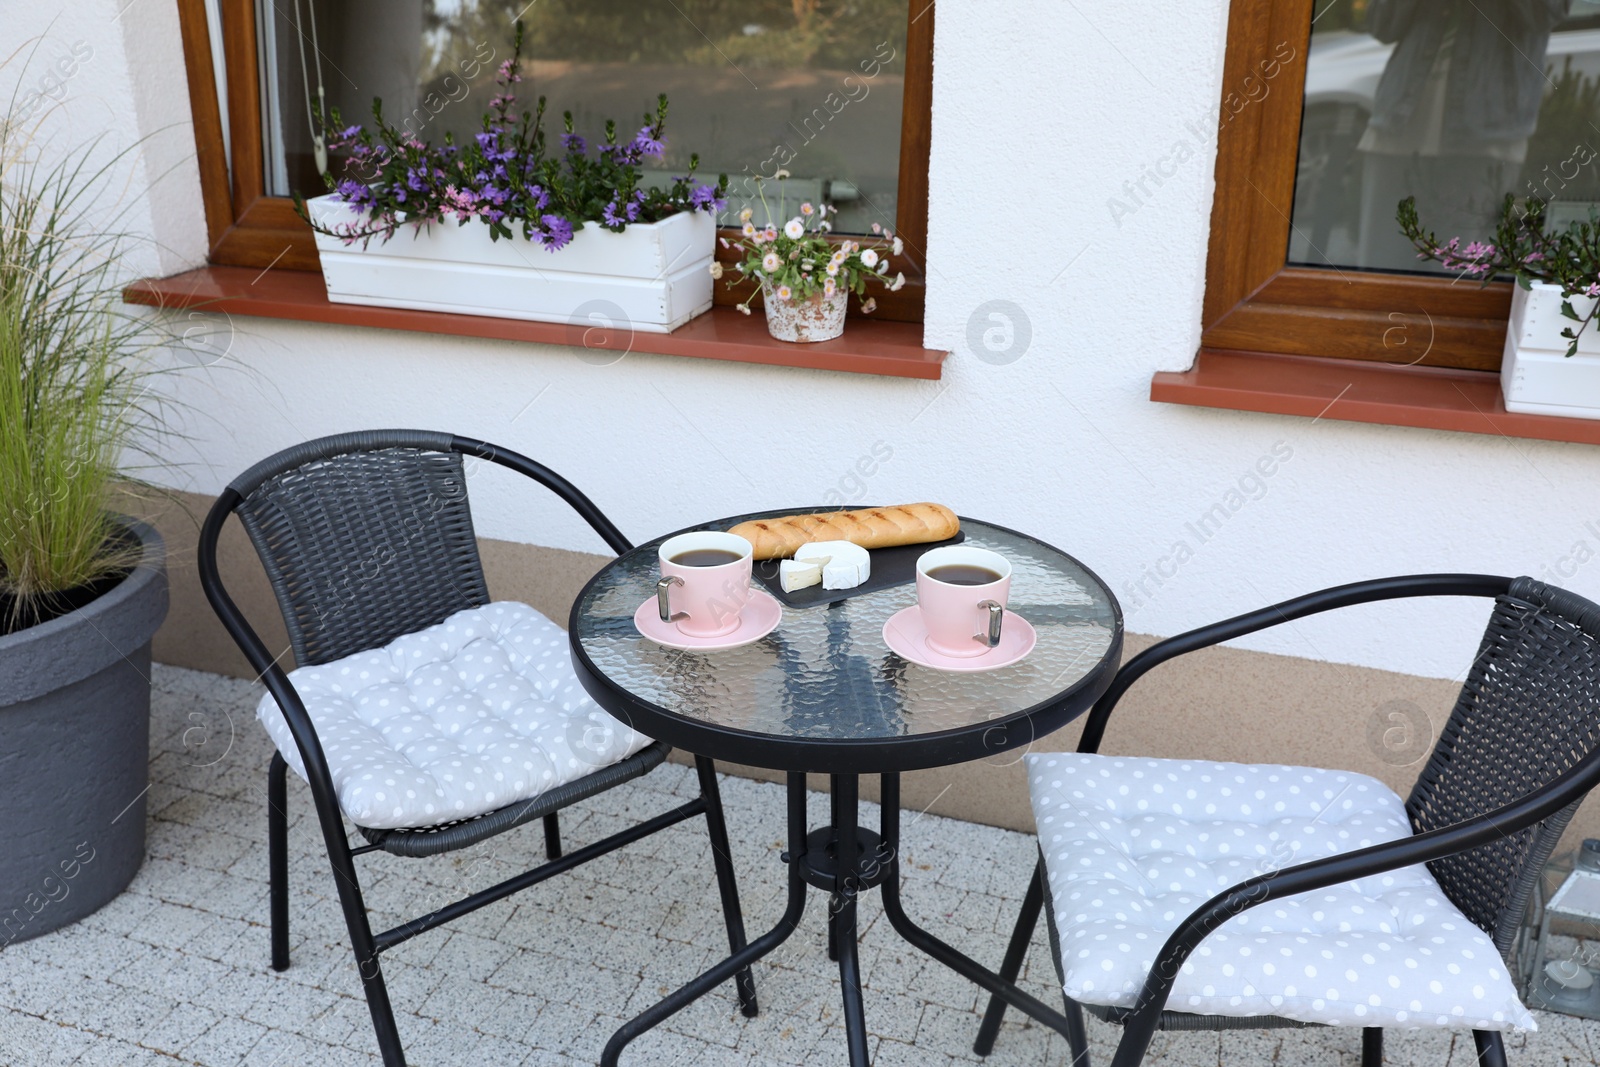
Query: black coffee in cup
{"points": [[706, 557], [963, 574]]}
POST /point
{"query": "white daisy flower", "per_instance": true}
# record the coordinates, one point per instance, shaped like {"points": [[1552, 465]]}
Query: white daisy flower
{"points": [[806, 208], [794, 229], [899, 281], [771, 262], [899, 246], [833, 270], [870, 258], [744, 216], [716, 269], [747, 229], [784, 292], [829, 287]]}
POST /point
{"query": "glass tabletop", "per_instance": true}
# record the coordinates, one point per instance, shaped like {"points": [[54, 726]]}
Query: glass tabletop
{"points": [[826, 675]]}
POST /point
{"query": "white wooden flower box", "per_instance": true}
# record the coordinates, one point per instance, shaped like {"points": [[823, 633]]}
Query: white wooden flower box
{"points": [[1536, 375], [658, 275]]}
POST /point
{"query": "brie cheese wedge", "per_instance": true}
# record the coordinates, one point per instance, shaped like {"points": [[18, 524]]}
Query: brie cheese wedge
{"points": [[793, 574], [844, 565]]}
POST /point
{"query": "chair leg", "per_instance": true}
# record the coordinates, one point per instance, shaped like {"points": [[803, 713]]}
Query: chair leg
{"points": [[722, 860], [1491, 1049], [278, 860], [365, 945], [552, 836], [1016, 953], [377, 992], [1077, 1035], [1372, 1046]]}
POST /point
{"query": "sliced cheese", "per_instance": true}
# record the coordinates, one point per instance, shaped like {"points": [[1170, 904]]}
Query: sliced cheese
{"points": [[793, 574], [844, 565]]}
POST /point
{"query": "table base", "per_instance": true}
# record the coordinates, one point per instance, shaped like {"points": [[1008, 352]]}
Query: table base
{"points": [[814, 858]]}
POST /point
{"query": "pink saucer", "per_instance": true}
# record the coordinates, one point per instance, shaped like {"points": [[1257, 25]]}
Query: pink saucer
{"points": [[760, 617], [908, 638]]}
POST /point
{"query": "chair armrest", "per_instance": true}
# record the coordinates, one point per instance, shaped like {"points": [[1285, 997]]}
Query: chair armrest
{"points": [[550, 480], [1537, 806], [1340, 596], [261, 661]]}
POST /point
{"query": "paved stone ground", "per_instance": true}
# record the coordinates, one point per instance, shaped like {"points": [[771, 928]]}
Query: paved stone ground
{"points": [[175, 970]]}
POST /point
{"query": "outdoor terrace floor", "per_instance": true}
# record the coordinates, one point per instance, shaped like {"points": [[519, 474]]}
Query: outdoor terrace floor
{"points": [[175, 970]]}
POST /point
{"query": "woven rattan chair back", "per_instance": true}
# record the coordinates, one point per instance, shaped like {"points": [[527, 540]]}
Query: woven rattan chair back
{"points": [[1529, 710], [365, 545]]}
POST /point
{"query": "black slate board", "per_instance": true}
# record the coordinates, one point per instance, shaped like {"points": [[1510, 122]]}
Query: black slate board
{"points": [[890, 567]]}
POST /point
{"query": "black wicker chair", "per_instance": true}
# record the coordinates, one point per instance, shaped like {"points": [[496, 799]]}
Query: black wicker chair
{"points": [[366, 537], [1518, 754]]}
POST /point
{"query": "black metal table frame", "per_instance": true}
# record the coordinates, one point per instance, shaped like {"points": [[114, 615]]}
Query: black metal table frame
{"points": [[813, 855], [813, 858]]}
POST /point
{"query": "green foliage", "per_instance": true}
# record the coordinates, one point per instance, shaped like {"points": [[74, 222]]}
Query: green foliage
{"points": [[1525, 249], [73, 395]]}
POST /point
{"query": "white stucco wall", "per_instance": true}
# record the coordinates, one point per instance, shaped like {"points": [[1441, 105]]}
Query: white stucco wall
{"points": [[1042, 112]]}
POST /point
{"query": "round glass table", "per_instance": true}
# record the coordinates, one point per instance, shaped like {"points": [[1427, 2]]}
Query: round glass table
{"points": [[823, 693]]}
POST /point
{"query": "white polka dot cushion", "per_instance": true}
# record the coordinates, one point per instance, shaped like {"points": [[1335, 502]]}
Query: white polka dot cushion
{"points": [[460, 719], [1133, 846]]}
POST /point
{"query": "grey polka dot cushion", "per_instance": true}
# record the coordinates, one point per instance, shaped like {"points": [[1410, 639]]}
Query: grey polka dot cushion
{"points": [[1133, 846], [478, 712]]}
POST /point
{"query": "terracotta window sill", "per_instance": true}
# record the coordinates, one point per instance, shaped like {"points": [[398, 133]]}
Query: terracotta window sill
{"points": [[869, 346], [1355, 391]]}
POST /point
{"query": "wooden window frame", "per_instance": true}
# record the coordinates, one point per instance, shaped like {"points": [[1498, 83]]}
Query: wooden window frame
{"points": [[1255, 302], [247, 228]]}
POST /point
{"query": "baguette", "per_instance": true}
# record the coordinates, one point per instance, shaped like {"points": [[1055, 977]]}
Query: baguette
{"points": [[907, 524]]}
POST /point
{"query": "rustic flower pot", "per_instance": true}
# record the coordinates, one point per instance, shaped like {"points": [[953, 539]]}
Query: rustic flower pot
{"points": [[818, 318], [652, 277], [1537, 376], [75, 751]]}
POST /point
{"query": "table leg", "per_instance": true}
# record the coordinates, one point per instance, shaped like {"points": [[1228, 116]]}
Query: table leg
{"points": [[962, 964], [739, 961], [835, 901], [842, 919]]}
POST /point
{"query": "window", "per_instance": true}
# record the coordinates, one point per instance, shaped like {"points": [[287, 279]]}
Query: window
{"points": [[834, 92], [1335, 110]]}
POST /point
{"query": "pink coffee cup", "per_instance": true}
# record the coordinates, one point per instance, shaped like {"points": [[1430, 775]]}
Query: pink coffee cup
{"points": [[701, 599], [962, 619]]}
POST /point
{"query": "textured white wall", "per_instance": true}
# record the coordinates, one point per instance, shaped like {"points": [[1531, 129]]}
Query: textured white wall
{"points": [[1043, 113]]}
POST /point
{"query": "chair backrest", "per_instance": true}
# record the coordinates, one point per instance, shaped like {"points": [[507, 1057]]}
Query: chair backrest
{"points": [[1529, 710], [364, 537]]}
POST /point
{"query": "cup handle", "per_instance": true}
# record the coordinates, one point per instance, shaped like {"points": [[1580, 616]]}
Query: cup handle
{"points": [[997, 612], [662, 605]]}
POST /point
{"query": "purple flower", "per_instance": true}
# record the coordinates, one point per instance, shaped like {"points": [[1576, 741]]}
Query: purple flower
{"points": [[415, 180], [705, 196], [574, 143], [538, 197], [557, 232], [610, 216], [354, 192], [486, 141], [645, 143]]}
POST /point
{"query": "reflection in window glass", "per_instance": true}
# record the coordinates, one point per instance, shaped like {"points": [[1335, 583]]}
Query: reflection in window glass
{"points": [[813, 87], [1455, 102]]}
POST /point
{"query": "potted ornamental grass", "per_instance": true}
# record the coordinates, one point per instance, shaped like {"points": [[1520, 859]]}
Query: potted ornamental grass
{"points": [[514, 223], [1551, 364], [805, 274], [82, 588]]}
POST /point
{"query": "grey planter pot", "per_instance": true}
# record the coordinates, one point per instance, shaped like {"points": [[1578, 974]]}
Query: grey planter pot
{"points": [[75, 752]]}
